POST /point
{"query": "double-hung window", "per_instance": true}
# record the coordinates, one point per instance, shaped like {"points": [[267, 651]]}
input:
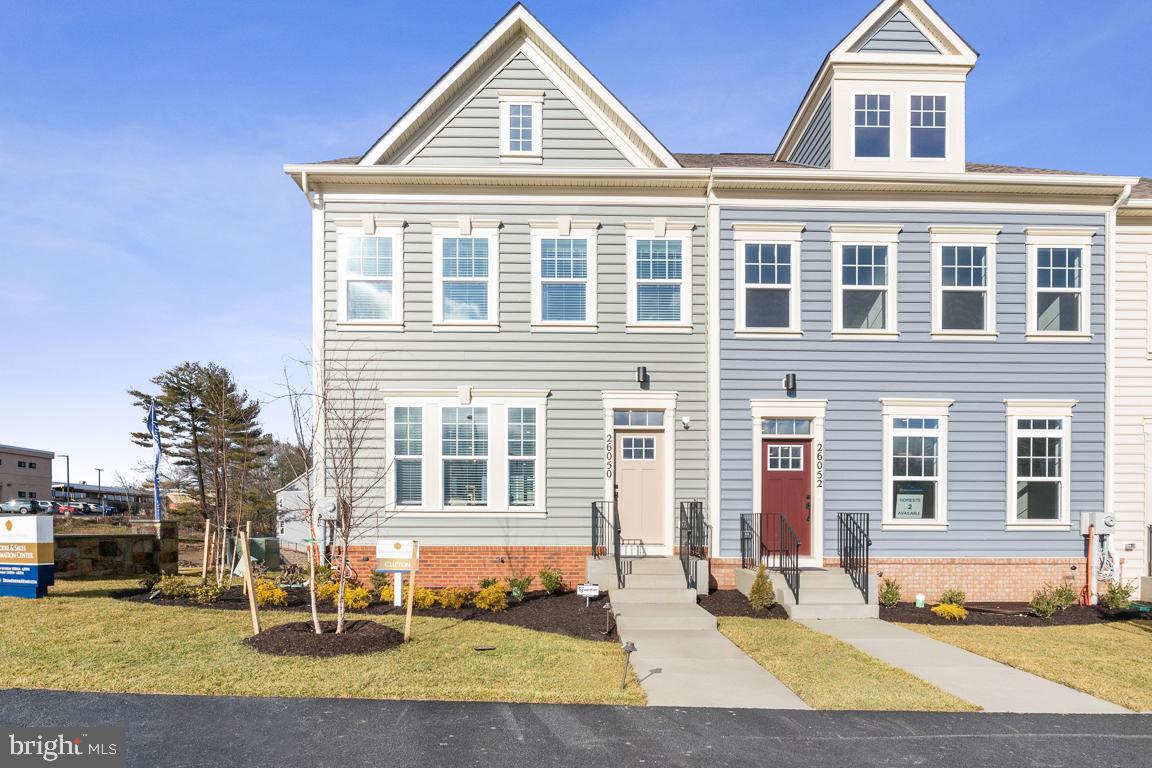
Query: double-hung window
{"points": [[464, 452], [1039, 471], [408, 443], [564, 275], [370, 268], [872, 134], [521, 456], [767, 277], [520, 125], [1059, 280], [864, 279], [928, 126], [964, 281], [659, 279], [466, 277], [916, 463]]}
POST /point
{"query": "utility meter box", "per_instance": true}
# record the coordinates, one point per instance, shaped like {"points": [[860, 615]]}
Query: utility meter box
{"points": [[1102, 523]]}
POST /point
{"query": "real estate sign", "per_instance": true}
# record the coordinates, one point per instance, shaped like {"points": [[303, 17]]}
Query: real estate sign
{"points": [[27, 555], [396, 555]]}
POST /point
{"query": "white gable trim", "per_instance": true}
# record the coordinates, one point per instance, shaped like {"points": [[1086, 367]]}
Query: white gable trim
{"points": [[565, 71]]}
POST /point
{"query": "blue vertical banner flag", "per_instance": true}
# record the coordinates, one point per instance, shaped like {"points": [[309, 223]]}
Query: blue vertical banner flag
{"points": [[154, 430]]}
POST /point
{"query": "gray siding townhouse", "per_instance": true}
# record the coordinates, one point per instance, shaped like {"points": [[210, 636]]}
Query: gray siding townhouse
{"points": [[861, 351]]}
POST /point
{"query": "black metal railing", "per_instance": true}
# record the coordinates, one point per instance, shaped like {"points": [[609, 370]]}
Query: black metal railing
{"points": [[606, 535], [695, 538], [769, 539], [854, 541]]}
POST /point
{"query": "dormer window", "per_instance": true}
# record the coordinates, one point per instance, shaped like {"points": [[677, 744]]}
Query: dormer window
{"points": [[873, 125], [928, 118], [520, 126]]}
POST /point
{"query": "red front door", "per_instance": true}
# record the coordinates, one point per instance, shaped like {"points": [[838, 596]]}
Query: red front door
{"points": [[787, 489]]}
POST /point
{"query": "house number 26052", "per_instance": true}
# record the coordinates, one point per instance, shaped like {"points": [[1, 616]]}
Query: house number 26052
{"points": [[819, 465]]}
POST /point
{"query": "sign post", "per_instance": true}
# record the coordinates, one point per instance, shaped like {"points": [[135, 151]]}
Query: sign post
{"points": [[400, 556], [27, 556]]}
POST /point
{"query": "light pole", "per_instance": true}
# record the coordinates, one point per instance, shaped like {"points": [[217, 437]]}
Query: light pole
{"points": [[67, 476], [100, 489]]}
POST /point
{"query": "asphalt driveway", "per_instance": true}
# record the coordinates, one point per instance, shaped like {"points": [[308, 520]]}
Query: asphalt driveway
{"points": [[178, 731]]}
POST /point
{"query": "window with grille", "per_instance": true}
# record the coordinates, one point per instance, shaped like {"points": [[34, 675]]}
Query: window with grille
{"points": [[521, 128], [564, 278], [659, 280], [873, 121], [915, 455], [408, 443], [521, 457], [774, 427], [785, 458], [464, 266], [864, 287], [368, 277], [964, 282], [464, 452], [1041, 465], [638, 448], [769, 274], [928, 119], [638, 418], [1060, 297]]}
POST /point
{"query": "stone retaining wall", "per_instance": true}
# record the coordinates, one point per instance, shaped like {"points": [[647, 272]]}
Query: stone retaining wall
{"points": [[149, 548]]}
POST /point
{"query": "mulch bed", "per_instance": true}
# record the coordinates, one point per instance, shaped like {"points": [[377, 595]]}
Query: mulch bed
{"points": [[729, 602], [1008, 615], [298, 638], [562, 614]]}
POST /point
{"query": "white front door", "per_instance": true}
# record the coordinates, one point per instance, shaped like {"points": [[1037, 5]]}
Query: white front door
{"points": [[640, 487]]}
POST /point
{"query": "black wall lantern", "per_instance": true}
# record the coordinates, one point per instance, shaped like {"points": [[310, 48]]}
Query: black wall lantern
{"points": [[641, 375], [789, 382]]}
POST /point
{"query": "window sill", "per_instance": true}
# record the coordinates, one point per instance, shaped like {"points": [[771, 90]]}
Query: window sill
{"points": [[912, 526], [1038, 526], [966, 335], [527, 159], [657, 328], [529, 514], [866, 335], [764, 333], [466, 327], [1073, 337], [368, 325], [565, 328]]}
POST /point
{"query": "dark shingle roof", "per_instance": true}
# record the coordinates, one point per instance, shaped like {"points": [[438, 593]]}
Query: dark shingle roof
{"points": [[1142, 190]]}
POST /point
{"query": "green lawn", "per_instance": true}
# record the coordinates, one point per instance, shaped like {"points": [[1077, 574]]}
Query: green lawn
{"points": [[82, 639], [829, 674], [1112, 661]]}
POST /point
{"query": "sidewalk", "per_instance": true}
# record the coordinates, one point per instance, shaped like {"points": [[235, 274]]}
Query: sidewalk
{"points": [[988, 684]]}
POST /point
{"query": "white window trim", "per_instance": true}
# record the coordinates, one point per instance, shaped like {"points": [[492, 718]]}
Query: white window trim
{"points": [[899, 408], [756, 233], [497, 401], [629, 400], [1061, 237], [371, 227], [983, 237], [947, 128], [565, 228], [466, 227], [892, 112], [660, 230], [816, 410], [865, 234], [1039, 409], [535, 99]]}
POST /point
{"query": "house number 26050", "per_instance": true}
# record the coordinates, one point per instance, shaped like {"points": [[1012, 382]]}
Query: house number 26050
{"points": [[819, 465], [609, 454]]}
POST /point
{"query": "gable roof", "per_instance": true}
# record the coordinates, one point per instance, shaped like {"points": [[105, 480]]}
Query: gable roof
{"points": [[520, 30], [898, 33]]}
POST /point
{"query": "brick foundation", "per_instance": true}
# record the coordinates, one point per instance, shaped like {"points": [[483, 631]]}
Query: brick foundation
{"points": [[983, 579], [466, 566]]}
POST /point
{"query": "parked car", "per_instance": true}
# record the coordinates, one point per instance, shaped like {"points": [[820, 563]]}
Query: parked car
{"points": [[48, 507], [69, 508], [20, 506]]}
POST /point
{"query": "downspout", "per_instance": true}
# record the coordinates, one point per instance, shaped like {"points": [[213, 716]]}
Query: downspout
{"points": [[712, 368]]}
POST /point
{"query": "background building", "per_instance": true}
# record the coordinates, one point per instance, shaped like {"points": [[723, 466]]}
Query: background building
{"points": [[25, 473]]}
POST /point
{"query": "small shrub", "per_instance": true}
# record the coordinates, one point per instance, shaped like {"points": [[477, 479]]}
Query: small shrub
{"points": [[207, 593], [762, 595], [149, 580], [270, 593], [485, 583], [381, 580], [519, 587], [387, 593], [323, 574], [1043, 604], [1118, 597], [953, 597], [1066, 595], [424, 598], [356, 597], [327, 590], [292, 575], [174, 587], [492, 598], [889, 593], [454, 597], [950, 611], [551, 581]]}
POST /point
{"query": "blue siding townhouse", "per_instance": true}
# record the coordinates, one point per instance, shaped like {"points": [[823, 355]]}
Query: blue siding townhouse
{"points": [[861, 345]]}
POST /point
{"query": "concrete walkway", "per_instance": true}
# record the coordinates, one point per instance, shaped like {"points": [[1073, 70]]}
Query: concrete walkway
{"points": [[702, 668], [988, 684]]}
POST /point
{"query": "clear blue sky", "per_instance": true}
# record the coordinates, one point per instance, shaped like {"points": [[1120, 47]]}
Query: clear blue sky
{"points": [[145, 220]]}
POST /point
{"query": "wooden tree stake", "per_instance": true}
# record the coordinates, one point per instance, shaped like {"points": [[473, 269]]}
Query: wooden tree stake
{"points": [[207, 543], [247, 537], [411, 590], [251, 586]]}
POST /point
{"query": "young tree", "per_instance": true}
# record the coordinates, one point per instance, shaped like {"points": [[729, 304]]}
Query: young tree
{"points": [[297, 458]]}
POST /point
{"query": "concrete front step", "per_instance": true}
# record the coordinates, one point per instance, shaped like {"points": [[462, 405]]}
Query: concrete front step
{"points": [[641, 617], [667, 566], [654, 580], [820, 611], [631, 595]]}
